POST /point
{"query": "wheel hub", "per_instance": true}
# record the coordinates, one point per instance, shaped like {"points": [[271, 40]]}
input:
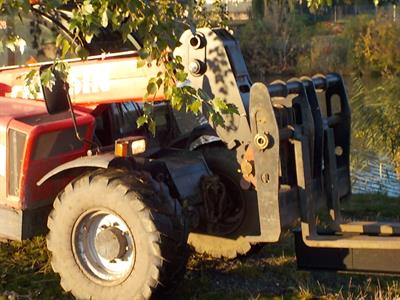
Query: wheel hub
{"points": [[104, 246], [111, 243]]}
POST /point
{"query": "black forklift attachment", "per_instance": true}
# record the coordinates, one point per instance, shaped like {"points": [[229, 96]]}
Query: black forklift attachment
{"points": [[382, 261], [313, 129]]}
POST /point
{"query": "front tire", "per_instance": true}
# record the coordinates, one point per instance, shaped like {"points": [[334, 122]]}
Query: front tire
{"points": [[112, 236]]}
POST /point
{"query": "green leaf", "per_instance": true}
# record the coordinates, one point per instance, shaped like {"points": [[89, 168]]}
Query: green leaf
{"points": [[217, 119], [203, 95], [159, 82], [195, 106], [115, 18], [143, 53], [59, 40], [104, 18], [152, 88], [140, 63], [176, 103], [10, 45], [154, 21], [62, 68], [31, 74], [219, 105], [167, 91], [87, 8], [152, 126], [47, 78], [147, 108], [125, 29], [141, 121], [81, 52], [181, 76], [21, 45], [232, 109], [89, 37], [176, 98], [65, 48]]}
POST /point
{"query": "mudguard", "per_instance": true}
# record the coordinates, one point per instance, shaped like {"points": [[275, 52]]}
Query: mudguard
{"points": [[95, 161]]}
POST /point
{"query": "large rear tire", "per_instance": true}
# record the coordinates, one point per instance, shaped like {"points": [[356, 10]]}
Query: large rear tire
{"points": [[112, 236], [223, 163]]}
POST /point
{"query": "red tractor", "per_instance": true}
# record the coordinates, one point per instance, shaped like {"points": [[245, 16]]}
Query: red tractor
{"points": [[118, 203]]}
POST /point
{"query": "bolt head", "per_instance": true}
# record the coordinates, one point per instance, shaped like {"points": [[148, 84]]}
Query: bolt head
{"points": [[194, 67]]}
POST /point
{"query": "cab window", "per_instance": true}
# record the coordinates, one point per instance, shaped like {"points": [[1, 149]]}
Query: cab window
{"points": [[125, 116]]}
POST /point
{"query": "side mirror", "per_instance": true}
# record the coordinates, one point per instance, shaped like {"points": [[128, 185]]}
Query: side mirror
{"points": [[56, 97]]}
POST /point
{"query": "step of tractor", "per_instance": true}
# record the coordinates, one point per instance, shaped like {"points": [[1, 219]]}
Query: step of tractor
{"points": [[371, 227]]}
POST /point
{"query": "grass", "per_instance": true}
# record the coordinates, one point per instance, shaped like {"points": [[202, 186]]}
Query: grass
{"points": [[376, 206], [25, 272]]}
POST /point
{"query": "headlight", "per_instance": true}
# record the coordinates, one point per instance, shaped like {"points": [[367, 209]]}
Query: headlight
{"points": [[129, 146]]}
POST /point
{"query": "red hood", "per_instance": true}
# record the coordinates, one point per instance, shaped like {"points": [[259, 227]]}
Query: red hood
{"points": [[18, 108]]}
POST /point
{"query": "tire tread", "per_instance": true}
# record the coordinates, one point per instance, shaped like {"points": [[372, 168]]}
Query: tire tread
{"points": [[166, 230]]}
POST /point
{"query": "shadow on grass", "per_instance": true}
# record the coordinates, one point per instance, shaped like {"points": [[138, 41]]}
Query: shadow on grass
{"points": [[25, 272], [272, 274]]}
